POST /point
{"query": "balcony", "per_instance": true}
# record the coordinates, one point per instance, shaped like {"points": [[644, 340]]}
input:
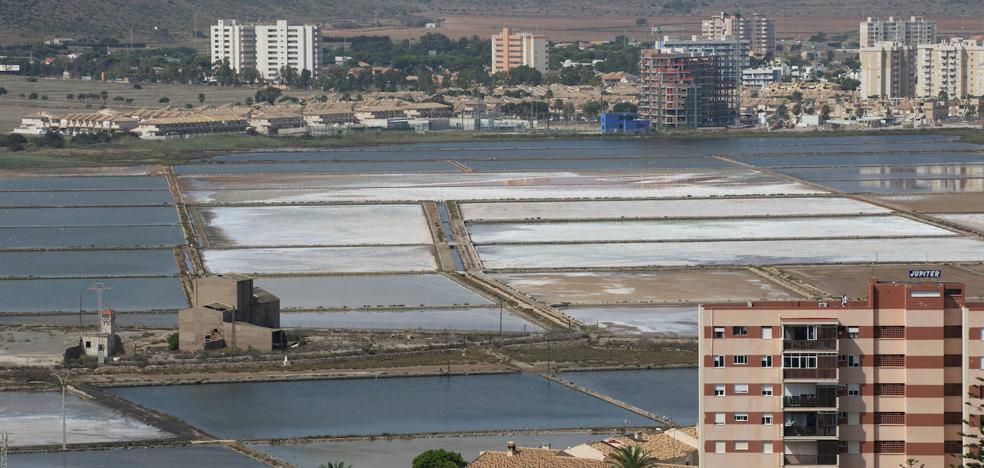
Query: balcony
{"points": [[809, 431], [809, 345], [809, 374], [810, 401], [810, 460]]}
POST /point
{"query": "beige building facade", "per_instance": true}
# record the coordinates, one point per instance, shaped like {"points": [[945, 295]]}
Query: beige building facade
{"points": [[887, 71], [954, 67], [759, 31], [840, 383], [515, 49], [228, 311], [911, 32]]}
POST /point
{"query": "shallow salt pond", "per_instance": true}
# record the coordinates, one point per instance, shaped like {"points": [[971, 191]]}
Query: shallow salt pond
{"points": [[470, 319], [369, 291], [387, 259]]}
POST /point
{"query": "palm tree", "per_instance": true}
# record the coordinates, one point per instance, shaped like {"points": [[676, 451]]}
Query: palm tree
{"points": [[337, 464], [631, 457]]}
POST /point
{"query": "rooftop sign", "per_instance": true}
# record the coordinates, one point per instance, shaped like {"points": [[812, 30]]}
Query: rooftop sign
{"points": [[914, 274]]}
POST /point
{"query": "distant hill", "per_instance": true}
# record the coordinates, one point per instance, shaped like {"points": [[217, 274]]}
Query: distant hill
{"points": [[175, 20]]}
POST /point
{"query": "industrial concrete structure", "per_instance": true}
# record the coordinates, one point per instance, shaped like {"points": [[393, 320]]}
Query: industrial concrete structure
{"points": [[758, 31], [227, 311], [954, 67], [841, 383], [512, 49], [914, 31], [267, 47], [887, 71]]}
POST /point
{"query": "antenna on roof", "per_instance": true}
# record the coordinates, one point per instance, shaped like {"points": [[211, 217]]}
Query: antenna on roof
{"points": [[99, 288]]}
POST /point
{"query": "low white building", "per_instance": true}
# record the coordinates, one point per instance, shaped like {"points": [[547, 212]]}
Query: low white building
{"points": [[104, 343], [760, 77]]}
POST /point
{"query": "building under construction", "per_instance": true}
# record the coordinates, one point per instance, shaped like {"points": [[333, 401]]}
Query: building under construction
{"points": [[684, 89]]}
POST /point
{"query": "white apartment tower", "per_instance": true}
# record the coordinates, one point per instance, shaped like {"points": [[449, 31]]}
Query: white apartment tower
{"points": [[887, 71], [267, 47], [954, 67], [912, 32], [759, 31], [511, 50]]}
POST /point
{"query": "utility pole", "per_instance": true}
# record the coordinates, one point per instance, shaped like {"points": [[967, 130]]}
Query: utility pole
{"points": [[500, 316], [63, 381], [447, 352], [4, 443]]}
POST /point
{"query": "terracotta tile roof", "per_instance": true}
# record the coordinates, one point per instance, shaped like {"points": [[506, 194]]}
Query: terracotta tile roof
{"points": [[533, 458]]}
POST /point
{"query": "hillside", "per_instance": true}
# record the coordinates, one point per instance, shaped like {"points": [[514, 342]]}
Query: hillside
{"points": [[176, 20]]}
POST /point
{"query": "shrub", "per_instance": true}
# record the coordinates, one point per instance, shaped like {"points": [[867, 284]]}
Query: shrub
{"points": [[172, 342]]}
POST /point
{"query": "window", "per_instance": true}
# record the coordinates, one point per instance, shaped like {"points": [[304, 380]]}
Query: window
{"points": [[853, 332], [767, 390], [766, 361], [88, 344], [766, 333], [739, 331], [853, 389], [741, 388], [853, 447], [719, 447], [718, 361], [740, 359], [799, 361], [741, 445], [853, 360], [767, 419], [853, 419], [741, 417], [766, 447], [718, 332], [719, 419], [719, 390]]}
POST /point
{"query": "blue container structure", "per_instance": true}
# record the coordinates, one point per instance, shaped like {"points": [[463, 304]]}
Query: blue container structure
{"points": [[623, 122]]}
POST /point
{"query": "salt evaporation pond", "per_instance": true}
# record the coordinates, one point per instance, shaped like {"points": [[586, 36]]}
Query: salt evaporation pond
{"points": [[89, 263], [952, 171], [487, 186], [731, 252], [897, 186], [399, 453], [888, 158], [102, 198], [612, 164], [317, 225], [466, 319], [635, 320], [318, 168], [90, 237], [597, 148], [115, 216], [35, 418], [973, 221], [721, 207], [867, 226], [670, 392], [62, 295], [83, 183], [369, 291], [210, 456], [368, 406], [320, 260]]}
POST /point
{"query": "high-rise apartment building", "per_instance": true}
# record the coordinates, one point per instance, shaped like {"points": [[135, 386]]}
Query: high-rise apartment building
{"points": [[888, 71], [841, 383], [954, 67], [267, 47], [682, 90], [914, 31], [759, 31], [512, 49]]}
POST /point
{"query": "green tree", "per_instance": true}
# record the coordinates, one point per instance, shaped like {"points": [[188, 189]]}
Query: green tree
{"points": [[164, 100], [201, 98], [104, 96], [524, 75], [304, 80], [288, 75], [223, 73], [32, 96], [439, 458], [625, 107], [825, 113], [249, 75], [268, 95], [52, 140], [172, 341], [632, 456], [911, 463], [796, 96], [3, 90], [591, 109]]}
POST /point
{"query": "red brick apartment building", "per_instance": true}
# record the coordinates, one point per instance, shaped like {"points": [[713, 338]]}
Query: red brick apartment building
{"points": [[840, 383]]}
